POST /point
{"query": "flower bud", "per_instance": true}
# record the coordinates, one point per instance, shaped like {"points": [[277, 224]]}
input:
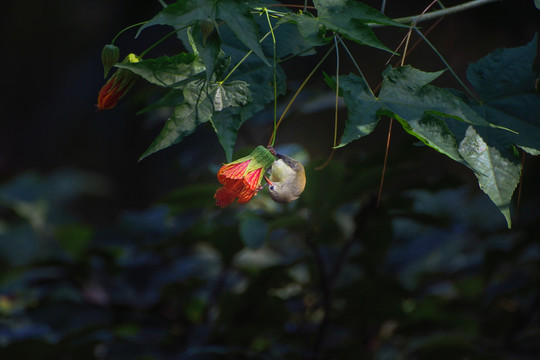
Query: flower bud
{"points": [[109, 56], [117, 86], [207, 27]]}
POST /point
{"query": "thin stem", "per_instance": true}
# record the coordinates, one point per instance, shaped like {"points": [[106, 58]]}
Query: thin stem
{"points": [[406, 47], [299, 90], [304, 7], [438, 13], [385, 161], [245, 57], [383, 6], [126, 29], [337, 91], [407, 37], [446, 64], [162, 40], [354, 62], [274, 76]]}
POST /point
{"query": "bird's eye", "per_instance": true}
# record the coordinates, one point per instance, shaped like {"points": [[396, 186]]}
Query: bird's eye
{"points": [[271, 187]]}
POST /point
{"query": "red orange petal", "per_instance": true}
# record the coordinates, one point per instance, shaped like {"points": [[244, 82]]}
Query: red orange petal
{"points": [[224, 197]]}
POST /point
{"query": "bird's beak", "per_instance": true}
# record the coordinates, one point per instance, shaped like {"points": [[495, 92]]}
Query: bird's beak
{"points": [[268, 181]]}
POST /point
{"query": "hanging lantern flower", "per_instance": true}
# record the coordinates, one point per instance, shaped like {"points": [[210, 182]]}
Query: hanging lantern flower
{"points": [[117, 86], [242, 178]]}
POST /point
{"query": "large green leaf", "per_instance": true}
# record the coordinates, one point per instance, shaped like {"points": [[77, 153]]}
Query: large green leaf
{"points": [[496, 166], [504, 117], [308, 27], [352, 9], [236, 15], [254, 72], [196, 109], [226, 124], [206, 46], [231, 94], [240, 21], [183, 13], [200, 104], [505, 82], [350, 18], [406, 96], [167, 71]]}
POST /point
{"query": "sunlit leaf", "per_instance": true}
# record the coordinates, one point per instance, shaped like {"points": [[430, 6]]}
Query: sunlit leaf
{"points": [[200, 103], [231, 94], [405, 95], [498, 168], [196, 109], [207, 46], [167, 71]]}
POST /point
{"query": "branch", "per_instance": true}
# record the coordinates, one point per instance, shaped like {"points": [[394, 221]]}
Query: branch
{"points": [[438, 13]]}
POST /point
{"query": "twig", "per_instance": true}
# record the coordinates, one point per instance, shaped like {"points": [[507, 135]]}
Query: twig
{"points": [[298, 92], [438, 13]]}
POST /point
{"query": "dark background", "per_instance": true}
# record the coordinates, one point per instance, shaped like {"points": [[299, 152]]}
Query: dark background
{"points": [[104, 274]]}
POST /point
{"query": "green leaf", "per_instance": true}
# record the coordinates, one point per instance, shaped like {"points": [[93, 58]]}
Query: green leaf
{"points": [[350, 18], [206, 46], [232, 94], [167, 71], [434, 132], [171, 99], [362, 107], [255, 73], [240, 21], [406, 96], [200, 104], [497, 167], [309, 28], [505, 81], [182, 14], [236, 15], [352, 9], [226, 124], [289, 42], [226, 119], [196, 109]]}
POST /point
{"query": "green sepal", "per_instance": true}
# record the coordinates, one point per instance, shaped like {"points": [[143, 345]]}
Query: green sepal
{"points": [[109, 57], [261, 157]]}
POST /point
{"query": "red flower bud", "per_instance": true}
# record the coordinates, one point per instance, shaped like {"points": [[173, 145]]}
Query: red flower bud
{"points": [[117, 86]]}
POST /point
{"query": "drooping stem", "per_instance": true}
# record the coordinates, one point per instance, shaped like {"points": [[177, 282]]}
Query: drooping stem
{"points": [[446, 64], [299, 90], [245, 57], [161, 40], [274, 76], [354, 62], [337, 92], [126, 29], [379, 195]]}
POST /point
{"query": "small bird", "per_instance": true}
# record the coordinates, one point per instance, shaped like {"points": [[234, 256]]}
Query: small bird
{"points": [[287, 179]]}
